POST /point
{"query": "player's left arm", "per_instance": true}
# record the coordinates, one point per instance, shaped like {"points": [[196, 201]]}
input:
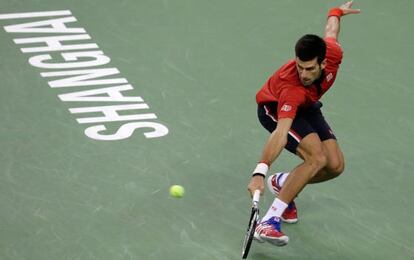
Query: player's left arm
{"points": [[332, 27]]}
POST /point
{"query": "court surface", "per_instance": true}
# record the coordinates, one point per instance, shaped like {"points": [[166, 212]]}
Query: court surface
{"points": [[196, 66]]}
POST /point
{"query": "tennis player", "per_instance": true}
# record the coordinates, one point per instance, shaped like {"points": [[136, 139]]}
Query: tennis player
{"points": [[289, 108]]}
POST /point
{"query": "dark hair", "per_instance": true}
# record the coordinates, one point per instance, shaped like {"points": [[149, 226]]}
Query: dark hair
{"points": [[310, 46]]}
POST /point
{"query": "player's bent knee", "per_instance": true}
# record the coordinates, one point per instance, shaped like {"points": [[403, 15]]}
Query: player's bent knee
{"points": [[336, 167], [317, 161]]}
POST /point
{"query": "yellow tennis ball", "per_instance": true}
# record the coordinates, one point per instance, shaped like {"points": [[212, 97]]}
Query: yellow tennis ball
{"points": [[177, 191]]}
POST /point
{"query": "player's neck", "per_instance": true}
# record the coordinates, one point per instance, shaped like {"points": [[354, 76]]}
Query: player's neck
{"points": [[319, 80]]}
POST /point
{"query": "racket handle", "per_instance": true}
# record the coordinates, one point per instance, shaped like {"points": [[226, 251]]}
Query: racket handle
{"points": [[256, 196]]}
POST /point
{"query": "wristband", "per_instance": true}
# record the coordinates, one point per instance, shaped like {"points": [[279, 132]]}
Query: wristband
{"points": [[336, 12], [261, 168], [257, 174]]}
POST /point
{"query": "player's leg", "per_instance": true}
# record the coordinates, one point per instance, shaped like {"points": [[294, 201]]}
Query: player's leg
{"points": [[320, 157], [314, 160], [267, 117], [335, 159], [311, 150], [299, 129], [270, 227], [335, 164]]}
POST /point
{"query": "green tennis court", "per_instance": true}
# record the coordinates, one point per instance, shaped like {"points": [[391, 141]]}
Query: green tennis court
{"points": [[86, 164]]}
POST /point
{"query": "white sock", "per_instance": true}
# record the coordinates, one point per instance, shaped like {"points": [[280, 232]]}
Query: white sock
{"points": [[281, 178], [276, 209]]}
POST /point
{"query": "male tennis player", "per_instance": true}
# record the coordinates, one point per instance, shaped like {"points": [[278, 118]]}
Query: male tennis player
{"points": [[289, 108]]}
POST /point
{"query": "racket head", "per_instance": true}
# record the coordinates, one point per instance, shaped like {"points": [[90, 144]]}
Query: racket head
{"points": [[248, 238]]}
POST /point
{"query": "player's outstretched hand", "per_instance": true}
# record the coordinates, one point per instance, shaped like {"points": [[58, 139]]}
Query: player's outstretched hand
{"points": [[256, 183], [347, 8]]}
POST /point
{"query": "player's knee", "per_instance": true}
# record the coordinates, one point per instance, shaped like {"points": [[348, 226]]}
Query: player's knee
{"points": [[335, 167], [318, 160]]}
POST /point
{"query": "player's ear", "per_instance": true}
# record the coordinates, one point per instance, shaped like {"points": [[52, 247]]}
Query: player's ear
{"points": [[323, 64]]}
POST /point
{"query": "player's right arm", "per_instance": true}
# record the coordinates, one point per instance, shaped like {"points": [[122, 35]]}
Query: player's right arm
{"points": [[276, 141], [272, 149]]}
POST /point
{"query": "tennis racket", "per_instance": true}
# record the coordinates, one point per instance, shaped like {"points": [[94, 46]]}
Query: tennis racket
{"points": [[254, 217]]}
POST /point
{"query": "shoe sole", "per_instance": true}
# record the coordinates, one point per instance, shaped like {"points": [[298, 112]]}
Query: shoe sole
{"points": [[289, 221], [281, 241]]}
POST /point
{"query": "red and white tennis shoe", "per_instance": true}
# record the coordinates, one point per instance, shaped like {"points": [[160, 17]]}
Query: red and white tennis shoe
{"points": [[270, 231], [291, 213]]}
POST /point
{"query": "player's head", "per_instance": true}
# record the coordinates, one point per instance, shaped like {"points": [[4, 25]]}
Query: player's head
{"points": [[310, 53]]}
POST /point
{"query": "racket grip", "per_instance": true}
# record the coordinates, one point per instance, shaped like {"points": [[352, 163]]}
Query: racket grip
{"points": [[256, 196]]}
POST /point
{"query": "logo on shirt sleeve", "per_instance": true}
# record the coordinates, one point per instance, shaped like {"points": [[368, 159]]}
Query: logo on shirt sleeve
{"points": [[286, 108], [329, 77]]}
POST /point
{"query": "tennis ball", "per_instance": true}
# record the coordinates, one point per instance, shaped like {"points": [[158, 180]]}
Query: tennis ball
{"points": [[177, 191]]}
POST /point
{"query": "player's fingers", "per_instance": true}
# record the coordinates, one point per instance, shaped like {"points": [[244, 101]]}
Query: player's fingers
{"points": [[250, 190], [345, 5], [354, 11], [351, 11], [348, 4]]}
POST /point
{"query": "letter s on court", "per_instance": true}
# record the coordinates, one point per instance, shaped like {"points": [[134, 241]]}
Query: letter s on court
{"points": [[126, 131]]}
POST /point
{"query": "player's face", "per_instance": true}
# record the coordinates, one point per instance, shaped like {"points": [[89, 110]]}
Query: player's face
{"points": [[309, 71]]}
